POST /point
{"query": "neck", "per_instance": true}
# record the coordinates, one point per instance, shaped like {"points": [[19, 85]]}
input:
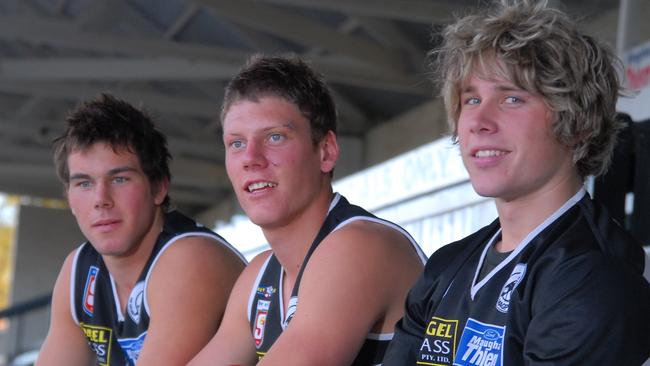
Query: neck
{"points": [[126, 269], [520, 216], [291, 242]]}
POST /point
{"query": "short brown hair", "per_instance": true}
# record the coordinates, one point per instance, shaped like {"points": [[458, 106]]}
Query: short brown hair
{"points": [[290, 78], [117, 123]]}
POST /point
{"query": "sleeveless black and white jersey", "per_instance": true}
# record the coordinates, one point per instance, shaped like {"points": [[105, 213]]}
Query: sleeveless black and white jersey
{"points": [[265, 306], [117, 338], [571, 293]]}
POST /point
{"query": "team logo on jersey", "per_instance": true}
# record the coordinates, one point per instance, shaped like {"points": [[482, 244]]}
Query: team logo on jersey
{"points": [[266, 291], [503, 302], [439, 345], [131, 347], [99, 339], [260, 321], [291, 310], [89, 291], [481, 344], [134, 306]]}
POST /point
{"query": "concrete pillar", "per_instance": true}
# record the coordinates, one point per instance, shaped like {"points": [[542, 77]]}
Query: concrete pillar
{"points": [[44, 237]]}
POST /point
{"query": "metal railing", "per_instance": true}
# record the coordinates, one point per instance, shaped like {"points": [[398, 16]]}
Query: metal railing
{"points": [[14, 343]]}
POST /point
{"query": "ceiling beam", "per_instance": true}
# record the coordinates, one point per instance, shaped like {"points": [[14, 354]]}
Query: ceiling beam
{"points": [[44, 131], [170, 69], [112, 69], [60, 33], [15, 130], [33, 180], [387, 33], [303, 31], [165, 60], [174, 105], [420, 11], [17, 152], [181, 21]]}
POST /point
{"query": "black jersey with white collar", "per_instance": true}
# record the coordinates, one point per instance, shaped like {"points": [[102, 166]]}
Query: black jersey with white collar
{"points": [[265, 305], [572, 293], [117, 338]]}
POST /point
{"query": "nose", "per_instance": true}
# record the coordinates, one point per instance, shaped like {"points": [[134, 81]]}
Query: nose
{"points": [[483, 118], [254, 155], [103, 198]]}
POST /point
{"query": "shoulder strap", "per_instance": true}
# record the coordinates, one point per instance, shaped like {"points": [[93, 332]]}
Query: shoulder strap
{"points": [[332, 219]]}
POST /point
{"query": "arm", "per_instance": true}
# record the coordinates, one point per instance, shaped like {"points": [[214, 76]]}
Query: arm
{"points": [[355, 283], [409, 331], [233, 344], [65, 343], [589, 310], [187, 295], [427, 291]]}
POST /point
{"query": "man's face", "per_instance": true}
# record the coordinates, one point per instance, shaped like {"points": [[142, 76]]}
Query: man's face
{"points": [[507, 143], [273, 165], [111, 198]]}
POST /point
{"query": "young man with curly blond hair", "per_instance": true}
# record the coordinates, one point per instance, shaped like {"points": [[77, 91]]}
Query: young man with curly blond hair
{"points": [[554, 280]]}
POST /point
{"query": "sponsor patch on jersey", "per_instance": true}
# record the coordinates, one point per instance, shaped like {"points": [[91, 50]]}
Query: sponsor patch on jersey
{"points": [[131, 347], [99, 340], [291, 310], [266, 291], [134, 306], [439, 344], [89, 291], [481, 344], [518, 273], [262, 312]]}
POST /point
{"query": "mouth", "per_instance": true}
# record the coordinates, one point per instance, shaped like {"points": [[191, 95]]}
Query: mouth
{"points": [[258, 186], [105, 223], [488, 153]]}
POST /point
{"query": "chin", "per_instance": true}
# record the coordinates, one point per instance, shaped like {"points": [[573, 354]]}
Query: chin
{"points": [[259, 220], [484, 190]]}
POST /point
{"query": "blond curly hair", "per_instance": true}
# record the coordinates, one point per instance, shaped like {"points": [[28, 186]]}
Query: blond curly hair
{"points": [[540, 50]]}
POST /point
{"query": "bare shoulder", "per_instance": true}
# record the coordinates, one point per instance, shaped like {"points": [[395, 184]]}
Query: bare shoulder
{"points": [[371, 256], [253, 268], [202, 250], [196, 264], [370, 239], [192, 275], [61, 293], [66, 267]]}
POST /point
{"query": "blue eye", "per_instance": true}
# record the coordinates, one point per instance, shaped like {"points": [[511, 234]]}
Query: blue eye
{"points": [[276, 137], [237, 144], [84, 184], [513, 99], [120, 180], [472, 101]]}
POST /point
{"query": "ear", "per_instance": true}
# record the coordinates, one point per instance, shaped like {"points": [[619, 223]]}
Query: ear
{"points": [[160, 190], [329, 152]]}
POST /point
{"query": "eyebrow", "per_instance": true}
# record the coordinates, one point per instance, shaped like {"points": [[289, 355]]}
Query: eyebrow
{"points": [[114, 171], [289, 125], [499, 87]]}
